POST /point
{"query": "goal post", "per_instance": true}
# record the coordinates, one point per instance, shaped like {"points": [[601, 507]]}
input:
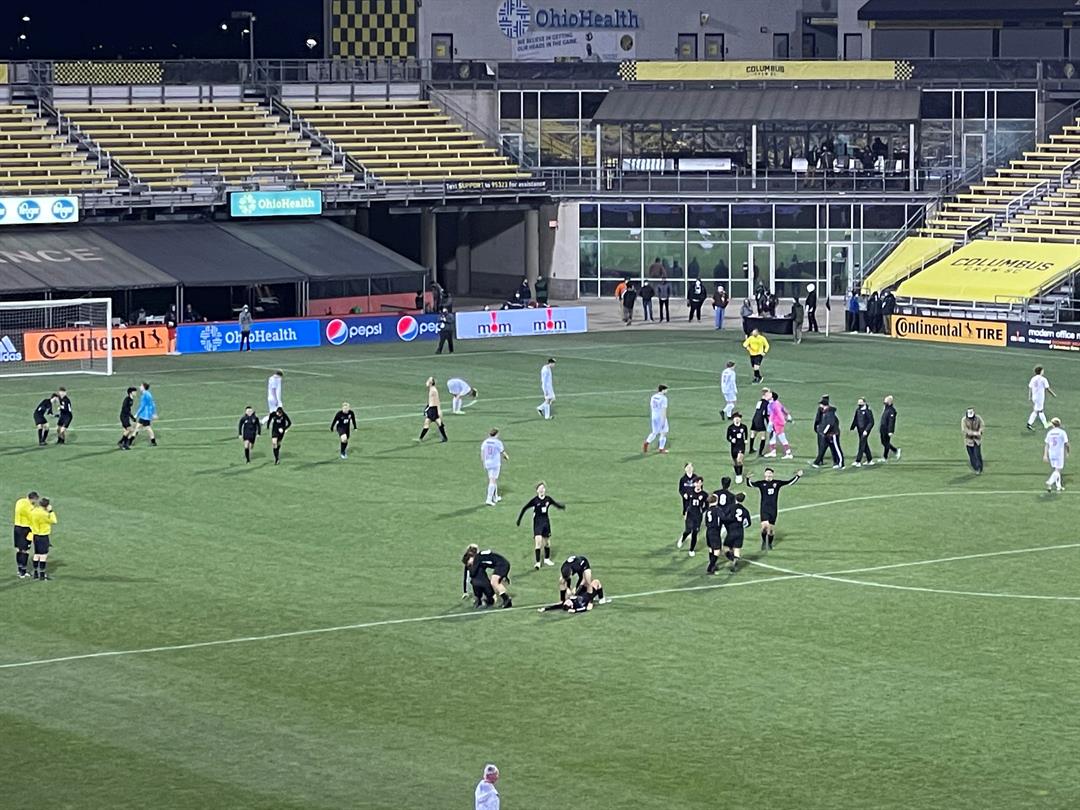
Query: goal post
{"points": [[73, 336]]}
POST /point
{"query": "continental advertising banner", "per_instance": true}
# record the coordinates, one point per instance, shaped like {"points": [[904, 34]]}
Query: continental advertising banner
{"points": [[949, 330], [867, 70], [1058, 337], [387, 329], [225, 337], [521, 322], [83, 344]]}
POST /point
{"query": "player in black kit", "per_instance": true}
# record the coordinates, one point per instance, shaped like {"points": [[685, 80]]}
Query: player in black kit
{"points": [[44, 408], [127, 419], [541, 522], [496, 566], [64, 415], [578, 566], [580, 602], [248, 429], [278, 422], [770, 494], [714, 528], [736, 438], [344, 422], [695, 509], [759, 421], [686, 484], [733, 542]]}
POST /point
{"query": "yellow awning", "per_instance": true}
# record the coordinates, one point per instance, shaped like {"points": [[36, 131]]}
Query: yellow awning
{"points": [[909, 257], [994, 272]]}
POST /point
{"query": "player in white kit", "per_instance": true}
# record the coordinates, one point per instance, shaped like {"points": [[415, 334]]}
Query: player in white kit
{"points": [[492, 454], [729, 389], [1055, 450], [547, 387], [459, 389], [273, 394], [658, 410], [1038, 387]]}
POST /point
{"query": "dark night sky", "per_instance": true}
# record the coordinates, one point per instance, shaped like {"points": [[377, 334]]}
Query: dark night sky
{"points": [[108, 29]]}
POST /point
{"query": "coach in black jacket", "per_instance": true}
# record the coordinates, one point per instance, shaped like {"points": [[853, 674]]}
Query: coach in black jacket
{"points": [[887, 428], [863, 422], [828, 431], [811, 308]]}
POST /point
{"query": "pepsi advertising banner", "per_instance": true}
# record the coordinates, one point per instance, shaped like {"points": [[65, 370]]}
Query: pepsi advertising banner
{"points": [[199, 338], [384, 329], [521, 322], [38, 210]]}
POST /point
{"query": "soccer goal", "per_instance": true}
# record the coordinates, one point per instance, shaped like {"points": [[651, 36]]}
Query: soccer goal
{"points": [[56, 337]]}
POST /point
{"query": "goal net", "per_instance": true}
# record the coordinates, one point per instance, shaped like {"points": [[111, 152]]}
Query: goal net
{"points": [[56, 337]]}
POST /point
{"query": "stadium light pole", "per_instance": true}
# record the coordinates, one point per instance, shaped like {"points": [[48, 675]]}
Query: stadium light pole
{"points": [[249, 16]]}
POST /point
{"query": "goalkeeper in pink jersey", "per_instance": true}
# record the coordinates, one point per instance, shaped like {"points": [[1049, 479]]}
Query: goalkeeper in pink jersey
{"points": [[778, 419]]}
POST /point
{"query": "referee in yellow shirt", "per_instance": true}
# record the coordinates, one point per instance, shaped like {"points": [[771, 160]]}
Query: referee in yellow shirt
{"points": [[42, 519], [23, 508], [757, 347]]}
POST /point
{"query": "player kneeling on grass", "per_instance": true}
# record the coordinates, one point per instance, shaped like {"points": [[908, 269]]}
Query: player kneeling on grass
{"points": [[541, 522], [578, 566], [483, 593], [495, 565], [42, 519], [580, 602], [248, 430], [733, 540], [459, 389]]}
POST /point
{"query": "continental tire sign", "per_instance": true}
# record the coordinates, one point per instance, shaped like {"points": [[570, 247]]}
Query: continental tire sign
{"points": [[949, 330], [83, 344]]}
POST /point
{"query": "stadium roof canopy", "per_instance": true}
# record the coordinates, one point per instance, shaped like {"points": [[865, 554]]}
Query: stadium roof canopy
{"points": [[755, 106], [882, 10]]}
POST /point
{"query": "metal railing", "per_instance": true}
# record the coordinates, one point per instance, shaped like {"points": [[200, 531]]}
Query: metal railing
{"points": [[870, 265], [492, 137]]}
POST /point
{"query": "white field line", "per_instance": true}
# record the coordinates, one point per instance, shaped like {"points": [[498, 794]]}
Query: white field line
{"points": [[786, 575]]}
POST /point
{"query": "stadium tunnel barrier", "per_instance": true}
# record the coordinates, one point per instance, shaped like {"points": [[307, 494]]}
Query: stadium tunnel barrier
{"points": [[521, 322]]}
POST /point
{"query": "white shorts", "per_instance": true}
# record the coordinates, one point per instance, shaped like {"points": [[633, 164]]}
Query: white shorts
{"points": [[548, 393], [493, 472], [1057, 462], [1037, 404], [272, 404], [730, 396], [659, 425]]}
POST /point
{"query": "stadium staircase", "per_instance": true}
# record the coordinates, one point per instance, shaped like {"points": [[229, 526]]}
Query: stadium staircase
{"points": [[36, 159], [177, 146], [406, 141]]}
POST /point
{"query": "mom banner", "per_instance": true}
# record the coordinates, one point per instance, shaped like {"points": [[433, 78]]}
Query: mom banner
{"points": [[521, 322]]}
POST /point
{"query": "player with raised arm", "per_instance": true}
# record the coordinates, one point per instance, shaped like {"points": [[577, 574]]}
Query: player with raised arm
{"points": [[343, 423], [273, 393], [459, 389], [145, 415], [248, 429], [729, 388], [658, 410], [769, 488], [1038, 388], [278, 422], [695, 510], [492, 455], [64, 415], [495, 565], [547, 388], [541, 504], [43, 410], [433, 411], [127, 419], [736, 439], [1055, 450]]}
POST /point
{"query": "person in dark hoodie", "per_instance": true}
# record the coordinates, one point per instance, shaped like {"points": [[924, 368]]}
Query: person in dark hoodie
{"points": [[811, 308], [663, 295], [863, 422], [629, 297], [888, 309], [647, 293], [828, 431], [886, 429], [873, 313], [695, 297]]}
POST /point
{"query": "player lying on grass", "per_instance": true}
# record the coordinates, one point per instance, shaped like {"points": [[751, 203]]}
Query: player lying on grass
{"points": [[580, 602]]}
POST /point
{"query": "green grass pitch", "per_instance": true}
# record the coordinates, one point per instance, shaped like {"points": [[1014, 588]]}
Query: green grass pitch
{"points": [[894, 685]]}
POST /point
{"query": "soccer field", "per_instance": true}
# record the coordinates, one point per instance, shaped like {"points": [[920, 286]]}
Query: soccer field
{"points": [[223, 635]]}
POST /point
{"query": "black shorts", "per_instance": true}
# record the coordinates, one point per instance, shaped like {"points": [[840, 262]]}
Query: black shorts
{"points": [[431, 412], [734, 539], [40, 420], [693, 522], [735, 450], [768, 515], [144, 422], [542, 528], [22, 538], [41, 544], [250, 437], [712, 539], [125, 421], [756, 359], [757, 425], [277, 435], [344, 430], [501, 571], [63, 420]]}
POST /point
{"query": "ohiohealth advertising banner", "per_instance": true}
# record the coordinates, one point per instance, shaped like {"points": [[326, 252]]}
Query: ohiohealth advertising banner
{"points": [[199, 338], [38, 210], [275, 203], [386, 329], [521, 322]]}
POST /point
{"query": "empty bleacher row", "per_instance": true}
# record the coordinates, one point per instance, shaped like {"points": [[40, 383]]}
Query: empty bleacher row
{"points": [[1025, 199], [36, 159], [406, 140]]}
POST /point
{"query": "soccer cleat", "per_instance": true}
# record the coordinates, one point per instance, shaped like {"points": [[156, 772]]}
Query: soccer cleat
{"points": [[738, 479], [857, 464], [547, 561], [897, 453], [536, 567], [343, 455], [838, 466], [43, 576], [508, 603], [679, 544], [540, 410], [691, 552], [1029, 427], [444, 439], [489, 503], [816, 466], [763, 544], [662, 450], [870, 463], [498, 498], [1049, 488], [788, 456], [711, 573], [24, 575], [770, 544], [770, 454], [644, 447]]}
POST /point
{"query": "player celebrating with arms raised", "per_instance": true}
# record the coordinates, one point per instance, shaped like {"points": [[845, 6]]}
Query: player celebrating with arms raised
{"points": [[1055, 450], [658, 405], [770, 494], [541, 522]]}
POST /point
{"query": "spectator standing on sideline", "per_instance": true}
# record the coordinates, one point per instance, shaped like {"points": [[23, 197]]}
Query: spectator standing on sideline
{"points": [[888, 309], [647, 293], [524, 292], [972, 428], [811, 308], [445, 328], [487, 797], [629, 296], [853, 312], [759, 295], [244, 322], [873, 314], [620, 288], [796, 320], [746, 312], [719, 304], [663, 295], [695, 297], [541, 287]]}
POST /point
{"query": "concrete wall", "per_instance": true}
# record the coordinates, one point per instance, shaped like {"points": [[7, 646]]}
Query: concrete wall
{"points": [[748, 25], [559, 249], [478, 106]]}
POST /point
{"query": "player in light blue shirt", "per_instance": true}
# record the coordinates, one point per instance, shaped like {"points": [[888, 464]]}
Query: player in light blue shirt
{"points": [[146, 414]]}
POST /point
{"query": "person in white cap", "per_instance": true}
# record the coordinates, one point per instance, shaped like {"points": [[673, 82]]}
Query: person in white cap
{"points": [[487, 797]]}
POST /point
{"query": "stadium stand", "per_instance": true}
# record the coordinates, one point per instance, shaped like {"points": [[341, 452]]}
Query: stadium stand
{"points": [[1037, 174], [170, 145], [34, 158], [406, 140]]}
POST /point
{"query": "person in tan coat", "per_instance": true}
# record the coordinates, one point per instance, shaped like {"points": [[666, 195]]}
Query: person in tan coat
{"points": [[972, 428]]}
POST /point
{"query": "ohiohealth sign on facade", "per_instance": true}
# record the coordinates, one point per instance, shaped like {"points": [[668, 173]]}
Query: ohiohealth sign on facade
{"points": [[275, 203], [516, 17]]}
